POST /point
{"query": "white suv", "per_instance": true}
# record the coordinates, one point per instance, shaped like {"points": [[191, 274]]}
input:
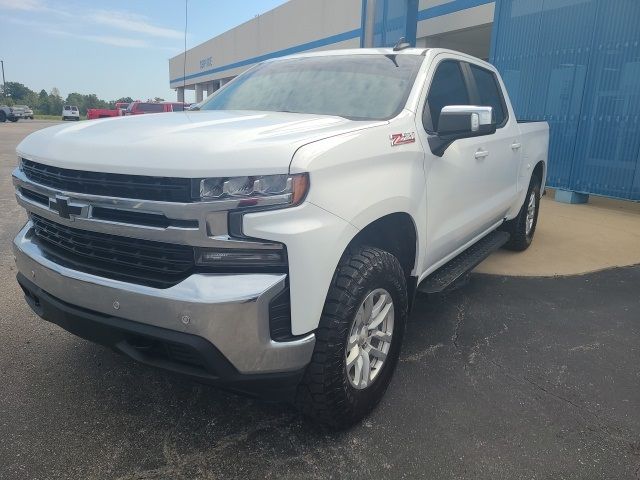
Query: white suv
{"points": [[70, 112]]}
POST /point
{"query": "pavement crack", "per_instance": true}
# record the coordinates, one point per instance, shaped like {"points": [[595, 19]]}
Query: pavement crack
{"points": [[460, 316], [555, 395]]}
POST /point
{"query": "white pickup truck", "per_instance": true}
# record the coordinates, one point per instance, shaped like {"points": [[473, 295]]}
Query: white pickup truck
{"points": [[273, 241]]}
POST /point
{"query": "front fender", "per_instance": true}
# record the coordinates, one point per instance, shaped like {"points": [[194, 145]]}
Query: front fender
{"points": [[315, 240]]}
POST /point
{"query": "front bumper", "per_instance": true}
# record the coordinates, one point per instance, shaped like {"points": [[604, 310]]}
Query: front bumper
{"points": [[229, 312]]}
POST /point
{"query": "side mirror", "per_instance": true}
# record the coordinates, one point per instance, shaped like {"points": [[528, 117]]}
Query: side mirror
{"points": [[461, 121]]}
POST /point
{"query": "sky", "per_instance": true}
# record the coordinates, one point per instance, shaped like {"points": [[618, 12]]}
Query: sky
{"points": [[113, 48]]}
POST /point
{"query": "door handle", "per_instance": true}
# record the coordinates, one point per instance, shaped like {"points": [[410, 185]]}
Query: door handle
{"points": [[481, 154], [516, 146]]}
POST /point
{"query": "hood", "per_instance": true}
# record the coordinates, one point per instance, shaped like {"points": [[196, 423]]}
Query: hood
{"points": [[185, 144]]}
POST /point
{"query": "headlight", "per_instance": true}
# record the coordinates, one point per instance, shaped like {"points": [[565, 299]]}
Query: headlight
{"points": [[255, 190]]}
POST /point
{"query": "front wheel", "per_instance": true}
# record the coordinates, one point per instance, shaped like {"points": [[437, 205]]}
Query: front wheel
{"points": [[523, 227], [14, 120], [358, 339]]}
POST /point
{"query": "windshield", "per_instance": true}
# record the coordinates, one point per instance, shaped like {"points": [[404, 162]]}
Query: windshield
{"points": [[358, 87]]}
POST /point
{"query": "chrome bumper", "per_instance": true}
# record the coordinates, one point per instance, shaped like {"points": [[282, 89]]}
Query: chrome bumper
{"points": [[230, 311]]}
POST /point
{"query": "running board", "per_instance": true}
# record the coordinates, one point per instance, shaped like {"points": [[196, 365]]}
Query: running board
{"points": [[457, 267]]}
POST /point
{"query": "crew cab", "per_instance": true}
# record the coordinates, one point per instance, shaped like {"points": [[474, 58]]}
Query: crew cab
{"points": [[140, 108], [94, 113], [272, 242]]}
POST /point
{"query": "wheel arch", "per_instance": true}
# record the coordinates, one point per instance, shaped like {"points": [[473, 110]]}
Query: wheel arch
{"points": [[540, 170], [397, 234]]}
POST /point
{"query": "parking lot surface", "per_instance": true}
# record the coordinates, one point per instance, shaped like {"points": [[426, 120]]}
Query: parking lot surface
{"points": [[504, 378]]}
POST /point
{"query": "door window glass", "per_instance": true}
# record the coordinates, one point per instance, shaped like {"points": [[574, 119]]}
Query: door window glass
{"points": [[447, 88], [489, 92]]}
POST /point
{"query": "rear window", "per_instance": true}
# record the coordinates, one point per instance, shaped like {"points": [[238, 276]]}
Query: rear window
{"points": [[74, 109], [151, 107]]}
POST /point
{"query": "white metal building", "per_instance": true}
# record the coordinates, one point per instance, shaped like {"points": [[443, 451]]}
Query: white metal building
{"points": [[308, 25]]}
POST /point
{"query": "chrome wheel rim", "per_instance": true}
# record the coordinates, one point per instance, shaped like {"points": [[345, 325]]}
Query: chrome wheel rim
{"points": [[531, 213], [369, 339]]}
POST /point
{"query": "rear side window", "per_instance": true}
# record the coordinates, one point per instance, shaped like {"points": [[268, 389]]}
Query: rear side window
{"points": [[151, 107], [447, 88], [490, 93]]}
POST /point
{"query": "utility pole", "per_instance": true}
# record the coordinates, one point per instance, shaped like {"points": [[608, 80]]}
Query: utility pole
{"points": [[4, 84]]}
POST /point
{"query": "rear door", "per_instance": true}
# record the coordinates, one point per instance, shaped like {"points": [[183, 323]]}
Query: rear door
{"points": [[504, 148]]}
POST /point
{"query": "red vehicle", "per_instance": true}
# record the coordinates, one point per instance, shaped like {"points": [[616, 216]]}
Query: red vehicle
{"points": [[93, 113], [139, 108]]}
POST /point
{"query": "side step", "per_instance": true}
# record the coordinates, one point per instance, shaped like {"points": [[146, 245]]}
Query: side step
{"points": [[457, 267]]}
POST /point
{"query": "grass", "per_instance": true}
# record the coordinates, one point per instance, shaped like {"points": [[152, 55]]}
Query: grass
{"points": [[50, 117]]}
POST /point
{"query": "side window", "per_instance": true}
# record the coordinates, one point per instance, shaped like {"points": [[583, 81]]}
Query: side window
{"points": [[447, 88], [490, 93]]}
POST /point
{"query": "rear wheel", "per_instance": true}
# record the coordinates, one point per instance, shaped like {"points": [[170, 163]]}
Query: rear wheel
{"points": [[358, 339], [523, 227]]}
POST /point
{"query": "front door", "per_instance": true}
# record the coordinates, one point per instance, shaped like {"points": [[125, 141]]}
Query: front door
{"points": [[466, 187]]}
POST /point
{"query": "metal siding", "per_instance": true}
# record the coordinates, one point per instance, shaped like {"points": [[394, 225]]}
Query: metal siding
{"points": [[395, 19], [609, 124], [576, 64]]}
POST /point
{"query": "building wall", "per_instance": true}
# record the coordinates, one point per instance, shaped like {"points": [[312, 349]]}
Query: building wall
{"points": [[576, 65], [298, 25], [463, 25], [307, 25]]}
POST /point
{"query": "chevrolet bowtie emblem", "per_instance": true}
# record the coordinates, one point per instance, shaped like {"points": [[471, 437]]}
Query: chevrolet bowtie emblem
{"points": [[64, 209]]}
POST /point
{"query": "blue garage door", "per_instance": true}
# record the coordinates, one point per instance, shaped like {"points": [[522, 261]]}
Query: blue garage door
{"points": [[394, 19], [576, 64]]}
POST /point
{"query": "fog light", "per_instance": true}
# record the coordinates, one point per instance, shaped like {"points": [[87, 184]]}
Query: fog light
{"points": [[236, 257]]}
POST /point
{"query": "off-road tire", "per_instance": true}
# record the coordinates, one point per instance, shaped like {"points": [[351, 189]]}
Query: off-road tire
{"points": [[517, 227], [326, 395]]}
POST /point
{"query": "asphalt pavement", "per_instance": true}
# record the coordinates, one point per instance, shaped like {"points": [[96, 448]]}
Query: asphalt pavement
{"points": [[505, 378]]}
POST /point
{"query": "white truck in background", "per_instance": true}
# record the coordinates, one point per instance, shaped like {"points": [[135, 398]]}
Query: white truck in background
{"points": [[273, 241]]}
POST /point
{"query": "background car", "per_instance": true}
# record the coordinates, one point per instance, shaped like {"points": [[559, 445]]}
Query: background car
{"points": [[119, 110], [9, 113], [139, 108], [26, 111], [70, 112]]}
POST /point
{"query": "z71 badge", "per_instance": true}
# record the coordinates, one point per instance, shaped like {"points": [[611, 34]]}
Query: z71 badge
{"points": [[402, 138]]}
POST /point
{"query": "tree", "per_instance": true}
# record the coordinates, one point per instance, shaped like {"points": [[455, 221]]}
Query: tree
{"points": [[55, 102], [17, 91], [43, 102]]}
